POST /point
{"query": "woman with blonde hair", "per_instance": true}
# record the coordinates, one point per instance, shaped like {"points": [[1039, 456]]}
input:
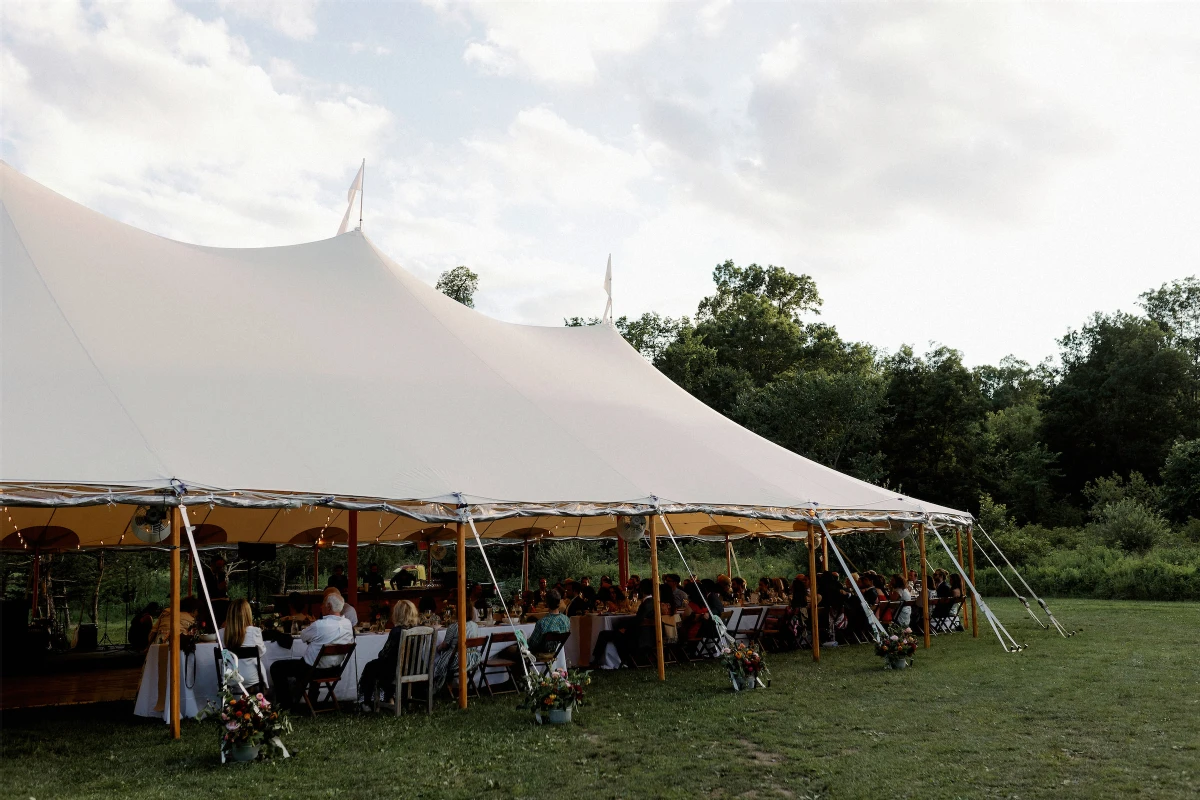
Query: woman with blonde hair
{"points": [[380, 673], [240, 631]]}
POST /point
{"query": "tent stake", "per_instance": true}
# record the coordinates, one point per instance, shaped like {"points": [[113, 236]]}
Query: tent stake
{"points": [[654, 578], [924, 585], [461, 555], [813, 621], [971, 570], [173, 655], [352, 561]]}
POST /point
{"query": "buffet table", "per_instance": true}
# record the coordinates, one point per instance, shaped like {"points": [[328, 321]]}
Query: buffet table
{"points": [[199, 671]]}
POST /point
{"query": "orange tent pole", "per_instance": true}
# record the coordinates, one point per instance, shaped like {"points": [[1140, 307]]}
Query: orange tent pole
{"points": [[352, 560], [812, 595], [173, 655], [462, 615]]}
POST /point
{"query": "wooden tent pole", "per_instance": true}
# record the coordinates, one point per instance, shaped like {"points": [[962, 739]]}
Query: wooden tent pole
{"points": [[37, 579], [352, 561], [728, 558], [654, 578], [461, 557], [962, 605], [812, 595], [971, 575], [825, 553], [924, 585], [903, 561], [525, 566], [316, 565], [173, 654]]}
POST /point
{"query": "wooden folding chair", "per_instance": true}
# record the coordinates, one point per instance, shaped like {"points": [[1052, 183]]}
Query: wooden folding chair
{"points": [[748, 625], [327, 678], [554, 643], [476, 644], [497, 642], [414, 664], [770, 627]]}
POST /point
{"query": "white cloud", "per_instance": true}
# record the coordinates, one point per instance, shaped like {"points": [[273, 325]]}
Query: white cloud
{"points": [[166, 121], [295, 19], [557, 43]]}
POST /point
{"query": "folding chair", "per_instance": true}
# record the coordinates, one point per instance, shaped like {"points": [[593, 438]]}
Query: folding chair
{"points": [[497, 642], [327, 678], [554, 643], [770, 627], [748, 625], [414, 664], [944, 617], [476, 644], [246, 653]]}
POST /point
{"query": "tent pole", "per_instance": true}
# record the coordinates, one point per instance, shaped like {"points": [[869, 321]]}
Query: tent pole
{"points": [[173, 655], [37, 578], [525, 566], [654, 578], [971, 575], [903, 561], [924, 585], [812, 596], [622, 578], [352, 561], [728, 558], [963, 605], [825, 553], [461, 557]]}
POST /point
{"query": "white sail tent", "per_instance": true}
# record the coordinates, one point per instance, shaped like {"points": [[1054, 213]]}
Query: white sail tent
{"points": [[259, 384]]}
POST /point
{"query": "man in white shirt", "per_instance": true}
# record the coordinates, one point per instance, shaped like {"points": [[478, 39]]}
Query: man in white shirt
{"points": [[347, 610], [331, 628]]}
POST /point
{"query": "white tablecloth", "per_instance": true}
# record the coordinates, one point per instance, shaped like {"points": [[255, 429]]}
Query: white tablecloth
{"points": [[585, 630], [202, 666]]}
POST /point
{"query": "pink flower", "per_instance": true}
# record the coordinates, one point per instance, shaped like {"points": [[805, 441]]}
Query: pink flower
{"points": [[231, 725]]}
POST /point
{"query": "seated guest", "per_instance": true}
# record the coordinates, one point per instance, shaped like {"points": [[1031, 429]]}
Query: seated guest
{"points": [[539, 594], [631, 585], [338, 580], [738, 587], [374, 579], [586, 590], [161, 632], [239, 631], [725, 589], [956, 585], [139, 630], [779, 590], [347, 610], [427, 610], [913, 583], [942, 593], [679, 597], [698, 622], [297, 610], [900, 593], [712, 596], [553, 622], [381, 672], [577, 604], [764, 591], [331, 628], [609, 594]]}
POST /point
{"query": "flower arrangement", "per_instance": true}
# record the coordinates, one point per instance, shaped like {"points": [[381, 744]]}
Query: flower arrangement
{"points": [[897, 648], [557, 690], [745, 664], [250, 726]]}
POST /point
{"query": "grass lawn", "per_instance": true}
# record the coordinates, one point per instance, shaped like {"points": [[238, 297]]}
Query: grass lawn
{"points": [[1111, 712]]}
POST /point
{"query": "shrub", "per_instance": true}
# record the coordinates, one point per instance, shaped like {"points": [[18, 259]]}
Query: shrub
{"points": [[1181, 480], [1131, 526]]}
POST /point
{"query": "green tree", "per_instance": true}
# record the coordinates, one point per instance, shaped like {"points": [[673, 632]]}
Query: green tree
{"points": [[832, 418], [1013, 382], [1016, 466], [1123, 395], [932, 439], [1181, 480], [459, 284], [1176, 307], [650, 334]]}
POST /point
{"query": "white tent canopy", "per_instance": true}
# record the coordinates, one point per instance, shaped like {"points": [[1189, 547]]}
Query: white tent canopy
{"points": [[324, 374]]}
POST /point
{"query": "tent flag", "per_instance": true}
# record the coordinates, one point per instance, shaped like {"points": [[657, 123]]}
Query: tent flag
{"points": [[355, 187], [608, 290]]}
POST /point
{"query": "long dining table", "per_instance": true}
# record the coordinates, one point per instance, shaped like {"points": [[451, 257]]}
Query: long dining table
{"points": [[199, 671]]}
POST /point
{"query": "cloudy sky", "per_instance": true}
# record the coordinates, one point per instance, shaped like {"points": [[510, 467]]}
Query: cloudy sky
{"points": [[983, 176]]}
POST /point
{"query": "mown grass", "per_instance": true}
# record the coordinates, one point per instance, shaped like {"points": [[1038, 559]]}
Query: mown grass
{"points": [[1114, 711]]}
